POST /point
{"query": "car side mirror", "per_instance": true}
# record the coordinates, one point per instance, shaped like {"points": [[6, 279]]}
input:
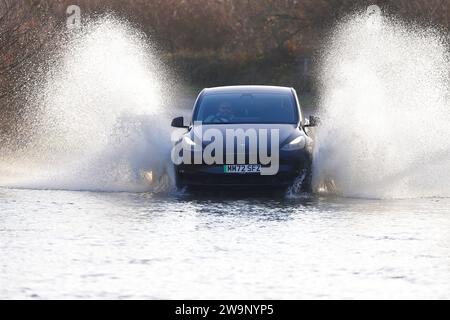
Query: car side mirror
{"points": [[179, 123], [313, 121]]}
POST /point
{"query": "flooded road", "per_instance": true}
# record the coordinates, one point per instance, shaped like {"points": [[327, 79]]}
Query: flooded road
{"points": [[81, 245]]}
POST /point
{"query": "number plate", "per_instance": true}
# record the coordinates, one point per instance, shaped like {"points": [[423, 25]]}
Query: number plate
{"points": [[242, 169]]}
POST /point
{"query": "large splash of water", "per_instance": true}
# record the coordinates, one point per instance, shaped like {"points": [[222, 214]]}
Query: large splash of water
{"points": [[385, 110], [98, 119]]}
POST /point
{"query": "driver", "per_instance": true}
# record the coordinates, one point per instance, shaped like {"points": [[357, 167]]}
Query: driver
{"points": [[224, 114]]}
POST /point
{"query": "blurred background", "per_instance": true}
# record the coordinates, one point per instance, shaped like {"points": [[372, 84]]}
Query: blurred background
{"points": [[203, 42]]}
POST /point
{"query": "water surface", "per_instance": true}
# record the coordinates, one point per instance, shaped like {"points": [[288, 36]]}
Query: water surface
{"points": [[81, 245]]}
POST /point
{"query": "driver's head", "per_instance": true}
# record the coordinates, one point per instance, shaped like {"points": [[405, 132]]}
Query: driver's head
{"points": [[225, 108]]}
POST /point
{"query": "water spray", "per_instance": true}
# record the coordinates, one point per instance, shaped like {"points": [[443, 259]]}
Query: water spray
{"points": [[98, 119], [384, 104]]}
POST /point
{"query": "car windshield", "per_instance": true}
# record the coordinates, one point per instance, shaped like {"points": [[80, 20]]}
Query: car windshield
{"points": [[247, 108]]}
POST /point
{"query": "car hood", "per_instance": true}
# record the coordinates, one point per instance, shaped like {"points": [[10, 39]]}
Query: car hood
{"points": [[287, 132]]}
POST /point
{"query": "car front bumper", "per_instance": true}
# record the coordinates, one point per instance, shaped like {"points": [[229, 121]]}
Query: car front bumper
{"points": [[291, 166]]}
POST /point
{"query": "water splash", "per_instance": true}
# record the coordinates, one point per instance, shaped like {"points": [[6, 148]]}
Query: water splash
{"points": [[296, 190], [385, 111], [98, 120]]}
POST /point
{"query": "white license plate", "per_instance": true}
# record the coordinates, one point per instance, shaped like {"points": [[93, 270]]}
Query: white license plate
{"points": [[242, 169]]}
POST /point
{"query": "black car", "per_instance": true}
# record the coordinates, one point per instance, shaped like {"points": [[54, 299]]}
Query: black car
{"points": [[260, 137]]}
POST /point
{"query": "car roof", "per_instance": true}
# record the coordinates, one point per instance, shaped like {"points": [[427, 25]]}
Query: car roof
{"points": [[247, 89]]}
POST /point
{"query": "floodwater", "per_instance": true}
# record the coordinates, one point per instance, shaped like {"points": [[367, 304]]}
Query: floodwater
{"points": [[82, 245]]}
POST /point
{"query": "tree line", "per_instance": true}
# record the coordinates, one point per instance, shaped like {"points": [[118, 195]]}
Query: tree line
{"points": [[207, 39]]}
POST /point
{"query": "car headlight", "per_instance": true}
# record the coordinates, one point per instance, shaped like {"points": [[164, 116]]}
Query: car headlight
{"points": [[298, 143], [189, 141]]}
